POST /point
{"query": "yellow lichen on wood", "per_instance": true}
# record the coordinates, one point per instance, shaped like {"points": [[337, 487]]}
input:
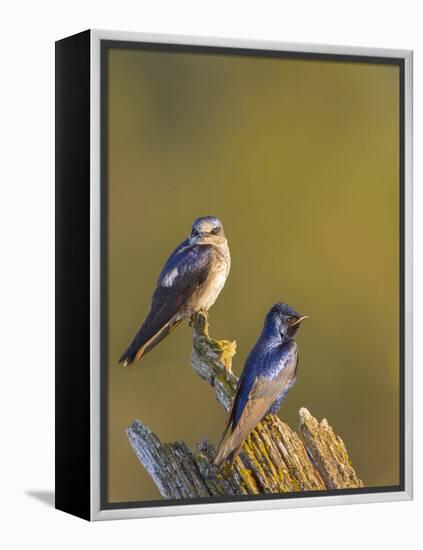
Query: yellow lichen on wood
{"points": [[328, 452]]}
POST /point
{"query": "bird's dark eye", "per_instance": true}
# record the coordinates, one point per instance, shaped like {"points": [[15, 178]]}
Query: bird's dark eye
{"points": [[215, 231], [194, 232]]}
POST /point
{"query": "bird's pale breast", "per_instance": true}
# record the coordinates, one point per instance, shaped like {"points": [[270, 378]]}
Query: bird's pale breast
{"points": [[208, 292]]}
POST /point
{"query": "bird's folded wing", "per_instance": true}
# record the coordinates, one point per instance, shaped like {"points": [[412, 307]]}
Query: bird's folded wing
{"points": [[261, 397], [272, 386], [185, 270]]}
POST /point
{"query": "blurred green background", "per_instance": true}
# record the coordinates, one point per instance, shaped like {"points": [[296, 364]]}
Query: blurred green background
{"points": [[300, 161]]}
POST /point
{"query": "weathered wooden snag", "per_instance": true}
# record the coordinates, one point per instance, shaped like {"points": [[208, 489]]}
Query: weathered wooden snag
{"points": [[274, 459]]}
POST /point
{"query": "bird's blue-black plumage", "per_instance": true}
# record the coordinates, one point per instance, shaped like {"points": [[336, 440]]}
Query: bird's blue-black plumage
{"points": [[269, 373], [266, 360]]}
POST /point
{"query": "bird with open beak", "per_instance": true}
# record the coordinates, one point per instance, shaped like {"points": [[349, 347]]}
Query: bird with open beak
{"points": [[269, 373], [190, 281]]}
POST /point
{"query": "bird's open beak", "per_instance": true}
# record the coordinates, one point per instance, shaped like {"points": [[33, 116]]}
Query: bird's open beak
{"points": [[300, 320]]}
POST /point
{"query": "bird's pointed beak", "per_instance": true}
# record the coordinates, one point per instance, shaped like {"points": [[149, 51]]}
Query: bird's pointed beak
{"points": [[300, 320]]}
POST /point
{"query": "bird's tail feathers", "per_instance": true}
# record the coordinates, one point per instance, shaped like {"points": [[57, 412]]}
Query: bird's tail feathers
{"points": [[222, 455], [127, 358], [140, 345], [227, 452], [229, 449], [158, 337]]}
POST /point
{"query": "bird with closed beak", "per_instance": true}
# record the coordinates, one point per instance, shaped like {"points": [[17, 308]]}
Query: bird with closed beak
{"points": [[190, 281], [269, 373]]}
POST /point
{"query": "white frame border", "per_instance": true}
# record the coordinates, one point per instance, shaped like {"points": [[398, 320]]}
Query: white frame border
{"points": [[208, 508]]}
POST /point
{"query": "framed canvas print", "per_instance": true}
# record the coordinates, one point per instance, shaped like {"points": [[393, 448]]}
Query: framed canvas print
{"points": [[233, 275]]}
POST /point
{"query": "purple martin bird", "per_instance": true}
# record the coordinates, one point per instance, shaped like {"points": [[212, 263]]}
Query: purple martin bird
{"points": [[190, 281], [269, 373]]}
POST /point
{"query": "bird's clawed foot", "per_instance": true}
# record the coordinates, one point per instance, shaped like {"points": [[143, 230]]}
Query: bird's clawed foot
{"points": [[202, 312], [205, 313]]}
